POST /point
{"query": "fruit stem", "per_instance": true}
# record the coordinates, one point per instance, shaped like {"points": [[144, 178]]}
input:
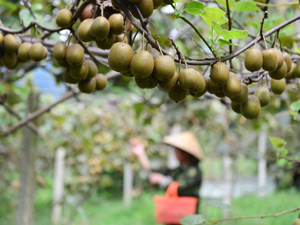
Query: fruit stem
{"points": [[262, 28], [102, 11], [159, 48]]}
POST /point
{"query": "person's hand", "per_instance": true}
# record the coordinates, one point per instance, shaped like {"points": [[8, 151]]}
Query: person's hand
{"points": [[156, 178], [137, 147]]}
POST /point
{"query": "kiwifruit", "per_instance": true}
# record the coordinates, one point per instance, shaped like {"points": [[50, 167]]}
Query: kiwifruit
{"points": [[64, 18], [220, 93], [59, 51], [74, 55], [142, 64], [120, 38], [279, 73], [69, 79], [196, 93], [10, 43], [280, 58], [87, 85], [120, 56], [236, 107], [88, 12], [177, 94], [296, 222], [10, 60], [100, 28], [79, 72], [148, 82], [127, 74], [251, 108], [45, 52], [116, 22], [233, 87], [213, 87], [101, 82], [63, 63], [291, 74], [242, 97], [270, 61], [219, 73], [278, 86], [37, 51], [107, 43], [254, 60], [201, 84], [263, 95], [288, 61], [169, 84], [92, 69], [188, 79], [23, 51], [157, 3], [146, 8], [164, 67], [297, 70], [83, 30], [1, 38]]}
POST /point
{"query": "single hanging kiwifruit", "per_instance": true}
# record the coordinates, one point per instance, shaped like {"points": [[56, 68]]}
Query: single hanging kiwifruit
{"points": [[270, 61], [92, 69], [177, 94], [148, 82], [280, 58], [233, 87], [297, 70], [60, 51], [68, 78], [142, 64], [11, 43], [251, 108], [146, 8], [279, 73], [37, 52], [79, 72], [64, 18], [291, 74], [242, 97], [278, 86], [213, 87], [75, 55], [10, 60], [23, 51], [199, 88], [169, 84], [188, 79], [263, 95], [100, 28], [157, 3], [101, 82], [288, 61], [254, 60], [219, 73], [120, 56], [83, 30], [116, 22], [88, 12], [87, 85], [236, 107], [164, 67]]}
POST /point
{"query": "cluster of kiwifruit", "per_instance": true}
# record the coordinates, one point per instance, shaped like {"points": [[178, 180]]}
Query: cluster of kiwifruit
{"points": [[14, 51]]}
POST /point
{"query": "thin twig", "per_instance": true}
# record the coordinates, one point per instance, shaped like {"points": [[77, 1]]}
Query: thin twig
{"points": [[229, 28], [289, 159]]}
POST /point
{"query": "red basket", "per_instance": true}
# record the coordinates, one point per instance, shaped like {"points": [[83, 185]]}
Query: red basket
{"points": [[169, 209]]}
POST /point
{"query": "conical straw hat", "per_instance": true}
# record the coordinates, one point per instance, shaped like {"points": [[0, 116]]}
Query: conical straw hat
{"points": [[185, 141]]}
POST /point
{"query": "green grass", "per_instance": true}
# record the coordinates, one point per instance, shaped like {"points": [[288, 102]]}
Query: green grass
{"points": [[101, 209]]}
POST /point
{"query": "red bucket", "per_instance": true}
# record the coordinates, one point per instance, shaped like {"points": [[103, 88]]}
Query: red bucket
{"points": [[169, 209]]}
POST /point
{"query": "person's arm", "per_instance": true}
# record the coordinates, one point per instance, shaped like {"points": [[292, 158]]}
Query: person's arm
{"points": [[138, 149]]}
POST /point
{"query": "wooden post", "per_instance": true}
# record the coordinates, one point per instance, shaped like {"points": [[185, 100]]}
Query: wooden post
{"points": [[25, 211], [127, 183], [227, 160], [262, 164], [59, 168]]}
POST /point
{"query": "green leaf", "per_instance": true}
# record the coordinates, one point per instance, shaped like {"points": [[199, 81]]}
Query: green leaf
{"points": [[9, 5], [230, 34], [223, 42], [223, 3], [246, 5], [215, 15], [277, 143], [217, 204], [192, 220], [284, 152], [26, 16], [295, 106], [194, 8], [37, 7]]}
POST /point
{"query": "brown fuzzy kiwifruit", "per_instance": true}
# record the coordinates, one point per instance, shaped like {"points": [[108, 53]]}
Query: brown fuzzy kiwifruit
{"points": [[69, 79], [157, 3], [280, 58], [233, 87], [288, 61], [23, 51], [278, 86], [263, 95], [236, 107], [219, 73], [220, 93], [64, 18], [213, 87], [254, 60], [279, 73], [146, 8], [100, 28], [164, 67], [83, 30], [116, 22], [291, 74], [60, 51], [148, 82], [188, 79], [87, 85], [177, 94], [251, 108], [201, 86], [242, 97], [120, 38], [88, 12], [101, 82], [75, 55], [169, 84], [107, 43], [120, 56], [270, 61], [10, 43], [37, 52], [79, 72], [297, 70], [10, 60], [142, 64], [92, 69]]}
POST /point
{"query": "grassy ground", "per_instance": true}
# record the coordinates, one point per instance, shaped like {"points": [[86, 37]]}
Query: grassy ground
{"points": [[110, 210]]}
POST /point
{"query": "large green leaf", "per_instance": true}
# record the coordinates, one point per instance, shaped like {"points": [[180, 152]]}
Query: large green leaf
{"points": [[192, 220], [277, 142], [246, 5], [214, 15], [194, 8], [230, 34]]}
